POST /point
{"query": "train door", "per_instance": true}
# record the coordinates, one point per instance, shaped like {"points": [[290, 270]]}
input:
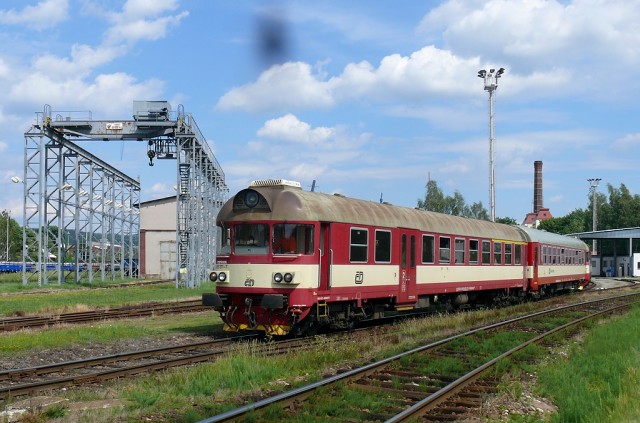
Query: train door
{"points": [[536, 260], [325, 256], [407, 272]]}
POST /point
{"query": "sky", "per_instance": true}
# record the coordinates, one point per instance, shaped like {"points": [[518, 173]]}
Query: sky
{"points": [[369, 98]]}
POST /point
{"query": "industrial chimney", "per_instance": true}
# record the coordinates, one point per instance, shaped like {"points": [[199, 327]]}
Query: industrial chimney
{"points": [[537, 186]]}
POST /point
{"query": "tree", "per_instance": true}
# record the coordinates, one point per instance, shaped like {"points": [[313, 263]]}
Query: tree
{"points": [[625, 208], [434, 198], [454, 205], [15, 237], [572, 223], [620, 210], [506, 220], [477, 211]]}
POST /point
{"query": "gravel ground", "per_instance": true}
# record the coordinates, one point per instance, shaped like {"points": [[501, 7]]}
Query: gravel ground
{"points": [[39, 357]]}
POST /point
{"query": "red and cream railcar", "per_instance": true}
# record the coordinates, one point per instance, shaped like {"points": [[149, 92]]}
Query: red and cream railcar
{"points": [[357, 260], [556, 262]]}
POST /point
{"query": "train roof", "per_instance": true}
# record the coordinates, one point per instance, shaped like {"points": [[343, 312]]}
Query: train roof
{"points": [[535, 235], [290, 203]]}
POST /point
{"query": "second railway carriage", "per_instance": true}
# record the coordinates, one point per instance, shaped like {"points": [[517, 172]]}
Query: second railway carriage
{"points": [[348, 260], [555, 261]]}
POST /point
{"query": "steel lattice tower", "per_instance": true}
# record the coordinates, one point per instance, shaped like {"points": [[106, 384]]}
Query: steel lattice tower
{"points": [[80, 213]]}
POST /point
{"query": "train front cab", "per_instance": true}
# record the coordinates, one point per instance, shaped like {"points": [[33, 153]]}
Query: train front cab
{"points": [[261, 284]]}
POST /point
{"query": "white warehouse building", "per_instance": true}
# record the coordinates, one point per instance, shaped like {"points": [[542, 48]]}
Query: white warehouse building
{"points": [[158, 238]]}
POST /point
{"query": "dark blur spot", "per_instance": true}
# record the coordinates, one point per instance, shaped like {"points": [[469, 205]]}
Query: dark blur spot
{"points": [[272, 37]]}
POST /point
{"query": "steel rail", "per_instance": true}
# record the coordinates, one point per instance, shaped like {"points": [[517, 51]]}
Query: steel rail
{"points": [[299, 394], [16, 323], [457, 385], [285, 345], [29, 388]]}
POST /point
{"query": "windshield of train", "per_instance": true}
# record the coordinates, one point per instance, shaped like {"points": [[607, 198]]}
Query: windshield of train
{"points": [[223, 238], [251, 238], [291, 238]]}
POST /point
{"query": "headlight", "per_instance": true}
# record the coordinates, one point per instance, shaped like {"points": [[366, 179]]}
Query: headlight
{"points": [[222, 277], [213, 276], [277, 277], [251, 199], [288, 277]]}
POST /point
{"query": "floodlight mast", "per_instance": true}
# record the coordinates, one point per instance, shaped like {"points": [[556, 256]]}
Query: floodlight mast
{"points": [[491, 84], [593, 185]]}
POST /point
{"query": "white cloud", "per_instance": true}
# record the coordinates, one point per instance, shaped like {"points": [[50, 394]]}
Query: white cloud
{"points": [[547, 47], [143, 29], [107, 93], [426, 73], [72, 80], [290, 128], [413, 77], [83, 59], [159, 190], [629, 142], [142, 8], [46, 14], [281, 87], [538, 33]]}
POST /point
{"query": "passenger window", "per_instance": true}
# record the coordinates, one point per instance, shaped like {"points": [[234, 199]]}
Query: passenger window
{"points": [[383, 246], [473, 251], [428, 249], [486, 252], [507, 253], [359, 245], [497, 253], [518, 254], [445, 250], [459, 251]]}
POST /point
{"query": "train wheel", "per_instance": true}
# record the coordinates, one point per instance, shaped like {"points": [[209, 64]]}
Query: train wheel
{"points": [[309, 327]]}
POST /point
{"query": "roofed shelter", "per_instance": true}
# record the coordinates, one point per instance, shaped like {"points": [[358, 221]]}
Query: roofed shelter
{"points": [[616, 255]]}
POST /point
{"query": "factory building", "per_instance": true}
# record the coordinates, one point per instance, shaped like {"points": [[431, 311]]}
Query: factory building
{"points": [[539, 213]]}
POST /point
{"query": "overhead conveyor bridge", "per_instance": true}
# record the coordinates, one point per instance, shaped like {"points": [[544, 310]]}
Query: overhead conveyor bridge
{"points": [[59, 175]]}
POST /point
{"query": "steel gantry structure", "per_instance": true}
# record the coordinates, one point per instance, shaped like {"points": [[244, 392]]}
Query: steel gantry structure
{"points": [[75, 203]]}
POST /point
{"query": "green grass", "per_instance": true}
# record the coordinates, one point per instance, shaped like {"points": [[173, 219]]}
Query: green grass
{"points": [[66, 299], [598, 381], [12, 282], [205, 324]]}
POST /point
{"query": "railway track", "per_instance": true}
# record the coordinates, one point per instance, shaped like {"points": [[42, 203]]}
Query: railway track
{"points": [[31, 380], [143, 310], [442, 381], [28, 381]]}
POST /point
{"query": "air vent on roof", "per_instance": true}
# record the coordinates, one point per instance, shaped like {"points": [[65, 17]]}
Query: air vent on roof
{"points": [[274, 183]]}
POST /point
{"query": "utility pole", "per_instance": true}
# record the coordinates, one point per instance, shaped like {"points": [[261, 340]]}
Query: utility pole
{"points": [[593, 184], [490, 85], [8, 219]]}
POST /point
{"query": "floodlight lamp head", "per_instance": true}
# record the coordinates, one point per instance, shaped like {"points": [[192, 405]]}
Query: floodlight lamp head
{"points": [[482, 73], [492, 70]]}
